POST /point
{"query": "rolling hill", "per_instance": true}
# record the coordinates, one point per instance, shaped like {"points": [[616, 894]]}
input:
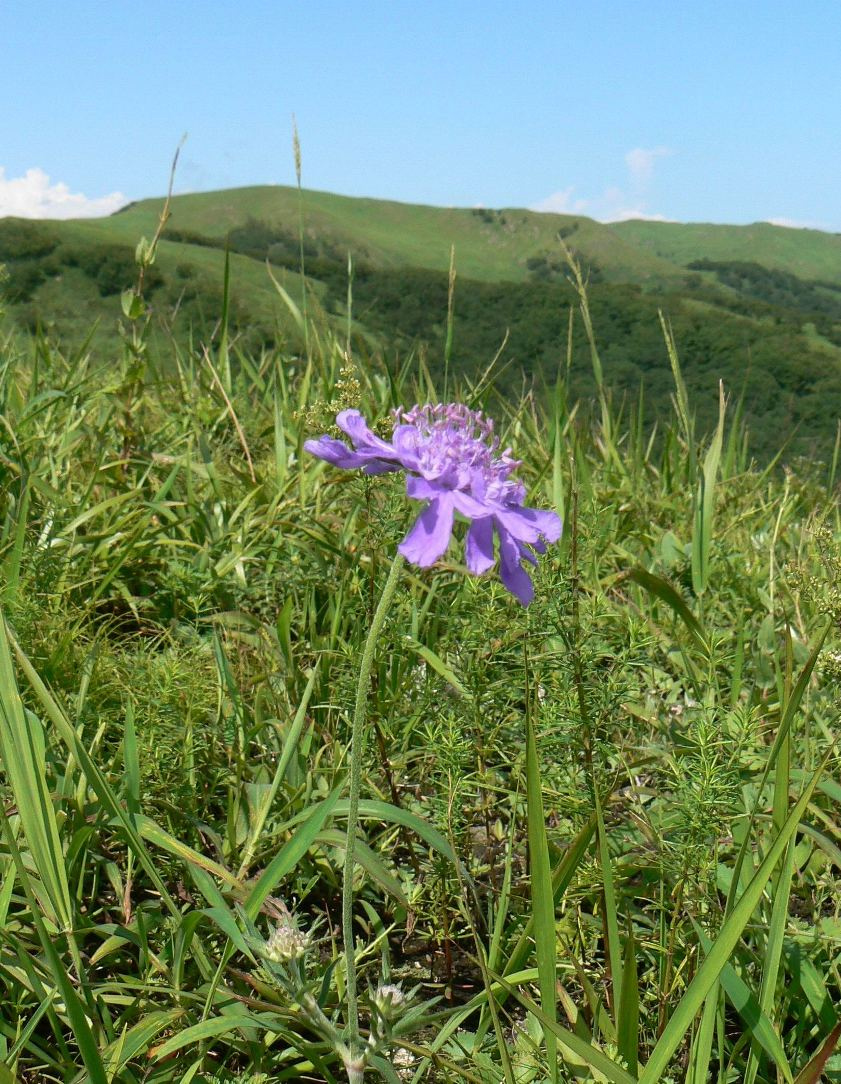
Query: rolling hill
{"points": [[758, 306]]}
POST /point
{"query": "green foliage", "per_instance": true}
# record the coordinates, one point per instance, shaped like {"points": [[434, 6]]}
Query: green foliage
{"points": [[775, 287], [625, 796]]}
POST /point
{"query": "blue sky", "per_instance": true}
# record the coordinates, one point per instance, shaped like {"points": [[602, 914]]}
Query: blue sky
{"points": [[715, 111]]}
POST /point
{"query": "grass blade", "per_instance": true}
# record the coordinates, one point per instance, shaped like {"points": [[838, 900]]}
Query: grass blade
{"points": [[628, 1007], [289, 747], [728, 937], [542, 896], [705, 506], [23, 755]]}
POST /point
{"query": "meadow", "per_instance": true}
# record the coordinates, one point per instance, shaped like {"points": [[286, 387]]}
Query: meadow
{"points": [[597, 837]]}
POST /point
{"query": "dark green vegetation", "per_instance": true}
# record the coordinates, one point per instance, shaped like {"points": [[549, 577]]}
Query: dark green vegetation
{"points": [[758, 306], [603, 832]]}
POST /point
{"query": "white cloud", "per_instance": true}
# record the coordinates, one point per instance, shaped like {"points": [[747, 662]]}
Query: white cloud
{"points": [[615, 204], [627, 213], [563, 203], [794, 224], [32, 196], [640, 162]]}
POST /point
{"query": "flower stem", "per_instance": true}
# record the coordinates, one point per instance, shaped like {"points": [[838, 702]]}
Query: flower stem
{"points": [[357, 749]]}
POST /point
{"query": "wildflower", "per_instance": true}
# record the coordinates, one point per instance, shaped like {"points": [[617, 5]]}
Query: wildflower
{"points": [[453, 464], [286, 943], [389, 997]]}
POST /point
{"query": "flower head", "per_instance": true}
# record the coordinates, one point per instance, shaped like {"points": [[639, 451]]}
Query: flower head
{"points": [[453, 464], [389, 996], [286, 943]]}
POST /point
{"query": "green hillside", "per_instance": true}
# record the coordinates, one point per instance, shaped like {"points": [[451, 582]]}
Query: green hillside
{"points": [[808, 254], [490, 245], [758, 307], [66, 278]]}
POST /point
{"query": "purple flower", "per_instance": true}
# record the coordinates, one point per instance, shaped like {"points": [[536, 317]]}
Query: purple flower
{"points": [[451, 457]]}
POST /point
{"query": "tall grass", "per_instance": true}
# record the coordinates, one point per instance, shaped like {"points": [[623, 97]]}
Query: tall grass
{"points": [[599, 838]]}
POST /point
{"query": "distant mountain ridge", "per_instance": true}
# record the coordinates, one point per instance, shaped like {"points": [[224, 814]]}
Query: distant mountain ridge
{"points": [[492, 244], [758, 306]]}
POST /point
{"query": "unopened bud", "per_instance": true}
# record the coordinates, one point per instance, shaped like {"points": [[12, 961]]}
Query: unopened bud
{"points": [[286, 943], [388, 998]]}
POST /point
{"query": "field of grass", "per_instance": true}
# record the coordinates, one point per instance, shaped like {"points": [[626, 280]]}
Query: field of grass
{"points": [[597, 839]]}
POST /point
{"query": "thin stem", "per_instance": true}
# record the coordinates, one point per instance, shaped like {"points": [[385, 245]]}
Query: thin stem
{"points": [[357, 749]]}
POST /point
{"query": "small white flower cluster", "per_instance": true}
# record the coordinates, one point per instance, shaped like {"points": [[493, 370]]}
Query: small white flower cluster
{"points": [[388, 997], [286, 943], [830, 665]]}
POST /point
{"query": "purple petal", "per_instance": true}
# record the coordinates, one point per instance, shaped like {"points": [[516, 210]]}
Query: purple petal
{"points": [[529, 524], [511, 571], [337, 452], [378, 466], [405, 441], [471, 507], [548, 523], [419, 489], [526, 554], [364, 439], [430, 536], [479, 548]]}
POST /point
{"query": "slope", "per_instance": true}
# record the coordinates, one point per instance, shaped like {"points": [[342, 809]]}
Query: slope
{"points": [[490, 245], [808, 254]]}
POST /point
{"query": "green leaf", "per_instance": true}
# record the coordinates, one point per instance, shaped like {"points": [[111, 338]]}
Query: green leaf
{"points": [[661, 589], [773, 953], [78, 1020], [611, 917], [392, 814], [562, 876], [437, 664], [368, 860], [590, 1054], [134, 1041], [22, 754], [702, 1042], [99, 784], [291, 853], [132, 303], [153, 833], [289, 747], [208, 1029], [747, 1006]]}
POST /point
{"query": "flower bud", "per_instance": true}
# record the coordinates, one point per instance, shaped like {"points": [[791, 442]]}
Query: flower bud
{"points": [[388, 998], [286, 943]]}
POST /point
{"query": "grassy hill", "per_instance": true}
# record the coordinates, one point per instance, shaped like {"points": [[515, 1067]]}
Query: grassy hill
{"points": [[490, 245], [757, 306], [808, 254], [66, 278]]}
